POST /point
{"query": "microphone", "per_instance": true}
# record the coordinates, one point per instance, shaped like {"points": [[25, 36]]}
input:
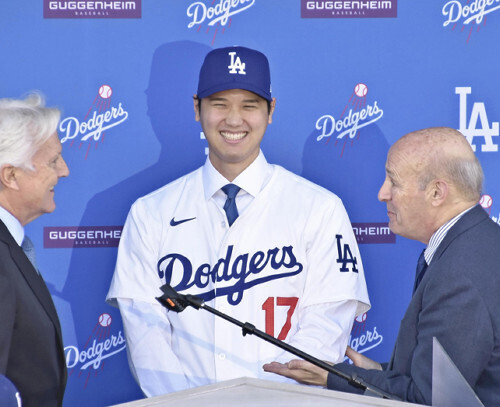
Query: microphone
{"points": [[177, 302]]}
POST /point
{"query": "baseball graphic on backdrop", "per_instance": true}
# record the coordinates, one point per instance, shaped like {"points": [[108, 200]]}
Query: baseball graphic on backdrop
{"points": [[486, 201], [105, 320], [361, 318], [105, 91], [361, 90]]}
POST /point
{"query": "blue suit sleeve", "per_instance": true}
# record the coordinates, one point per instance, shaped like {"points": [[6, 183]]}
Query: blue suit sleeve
{"points": [[7, 315], [448, 307]]}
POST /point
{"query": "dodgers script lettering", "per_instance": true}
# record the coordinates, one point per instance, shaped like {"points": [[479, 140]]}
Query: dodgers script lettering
{"points": [[219, 13], [239, 270], [94, 127], [474, 11], [350, 124]]}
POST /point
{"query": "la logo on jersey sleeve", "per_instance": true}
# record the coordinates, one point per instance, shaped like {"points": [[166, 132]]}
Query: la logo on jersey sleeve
{"points": [[345, 257]]}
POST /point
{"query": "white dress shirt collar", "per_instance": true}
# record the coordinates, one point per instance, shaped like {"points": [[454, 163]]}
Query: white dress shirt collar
{"points": [[13, 225], [251, 180], [439, 236]]}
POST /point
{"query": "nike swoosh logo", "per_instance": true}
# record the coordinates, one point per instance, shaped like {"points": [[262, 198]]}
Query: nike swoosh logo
{"points": [[174, 222]]}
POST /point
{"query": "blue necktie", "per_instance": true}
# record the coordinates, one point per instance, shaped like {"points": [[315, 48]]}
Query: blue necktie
{"points": [[29, 250], [230, 206], [421, 268]]}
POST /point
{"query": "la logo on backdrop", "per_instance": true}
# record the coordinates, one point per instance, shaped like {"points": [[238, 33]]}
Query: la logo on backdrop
{"points": [[216, 15], [481, 133], [468, 15], [478, 127]]}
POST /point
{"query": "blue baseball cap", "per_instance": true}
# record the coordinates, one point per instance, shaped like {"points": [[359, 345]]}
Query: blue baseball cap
{"points": [[235, 68]]}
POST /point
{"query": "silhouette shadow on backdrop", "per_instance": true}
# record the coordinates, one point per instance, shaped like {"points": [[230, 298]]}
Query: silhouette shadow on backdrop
{"points": [[354, 169], [172, 83]]}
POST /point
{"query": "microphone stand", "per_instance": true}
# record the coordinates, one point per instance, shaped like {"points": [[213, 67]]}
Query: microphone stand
{"points": [[176, 302]]}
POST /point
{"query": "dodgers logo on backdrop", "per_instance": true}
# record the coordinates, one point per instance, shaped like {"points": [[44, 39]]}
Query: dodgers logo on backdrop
{"points": [[359, 115], [215, 13], [101, 116], [470, 14], [99, 346], [476, 127], [348, 8], [361, 338]]}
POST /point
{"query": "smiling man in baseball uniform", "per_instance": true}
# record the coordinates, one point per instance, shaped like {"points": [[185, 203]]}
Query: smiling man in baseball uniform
{"points": [[250, 238]]}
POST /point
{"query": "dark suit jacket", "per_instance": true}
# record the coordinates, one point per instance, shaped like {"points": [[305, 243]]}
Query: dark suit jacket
{"points": [[458, 302], [31, 349]]}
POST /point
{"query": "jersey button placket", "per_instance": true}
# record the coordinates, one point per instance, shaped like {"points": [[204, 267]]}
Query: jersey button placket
{"points": [[219, 355]]}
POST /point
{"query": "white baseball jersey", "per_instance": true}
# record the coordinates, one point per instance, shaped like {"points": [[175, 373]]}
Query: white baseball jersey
{"points": [[289, 265]]}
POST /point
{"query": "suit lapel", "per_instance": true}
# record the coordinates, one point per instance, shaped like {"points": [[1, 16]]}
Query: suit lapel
{"points": [[33, 279], [470, 219]]}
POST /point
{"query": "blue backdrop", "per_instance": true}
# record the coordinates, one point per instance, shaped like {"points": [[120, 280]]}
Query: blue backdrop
{"points": [[350, 78]]}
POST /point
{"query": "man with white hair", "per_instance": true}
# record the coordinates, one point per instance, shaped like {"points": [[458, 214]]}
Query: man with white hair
{"points": [[31, 348]]}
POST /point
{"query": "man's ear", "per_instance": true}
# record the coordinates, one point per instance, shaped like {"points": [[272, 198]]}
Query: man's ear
{"points": [[438, 191], [8, 177], [271, 110], [196, 106]]}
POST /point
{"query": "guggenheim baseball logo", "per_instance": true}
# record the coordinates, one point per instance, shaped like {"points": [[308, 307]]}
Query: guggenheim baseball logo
{"points": [[66, 237], [101, 116], [91, 9], [373, 233], [349, 8]]}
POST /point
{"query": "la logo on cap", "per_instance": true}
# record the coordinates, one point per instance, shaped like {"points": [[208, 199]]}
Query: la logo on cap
{"points": [[236, 65]]}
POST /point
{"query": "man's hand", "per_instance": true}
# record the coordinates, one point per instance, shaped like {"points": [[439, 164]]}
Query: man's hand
{"points": [[362, 361], [307, 373], [299, 370]]}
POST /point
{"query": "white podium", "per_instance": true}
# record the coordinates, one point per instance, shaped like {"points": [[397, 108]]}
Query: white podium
{"points": [[247, 392]]}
